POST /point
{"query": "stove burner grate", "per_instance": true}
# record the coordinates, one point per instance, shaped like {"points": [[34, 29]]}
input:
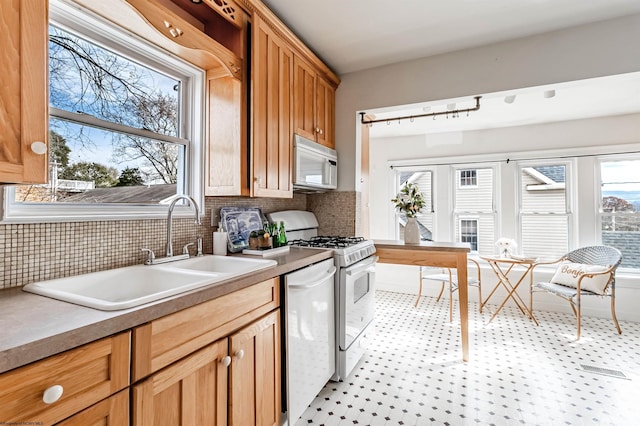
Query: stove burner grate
{"points": [[327, 242]]}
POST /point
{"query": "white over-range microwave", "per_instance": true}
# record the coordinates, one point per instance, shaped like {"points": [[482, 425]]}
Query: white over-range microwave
{"points": [[315, 167]]}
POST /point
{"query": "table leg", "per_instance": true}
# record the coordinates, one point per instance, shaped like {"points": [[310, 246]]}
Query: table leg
{"points": [[513, 294], [463, 300]]}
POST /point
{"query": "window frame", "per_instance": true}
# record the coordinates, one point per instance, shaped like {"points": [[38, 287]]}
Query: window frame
{"points": [[583, 186], [426, 212], [457, 215], [191, 125], [570, 196], [598, 208]]}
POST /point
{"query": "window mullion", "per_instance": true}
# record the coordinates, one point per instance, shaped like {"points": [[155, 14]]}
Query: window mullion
{"points": [[92, 121]]}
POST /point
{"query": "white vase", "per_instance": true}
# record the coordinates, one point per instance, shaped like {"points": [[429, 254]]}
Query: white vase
{"points": [[411, 231]]}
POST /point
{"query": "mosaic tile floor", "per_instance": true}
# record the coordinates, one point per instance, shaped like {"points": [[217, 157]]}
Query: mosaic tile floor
{"points": [[519, 374]]}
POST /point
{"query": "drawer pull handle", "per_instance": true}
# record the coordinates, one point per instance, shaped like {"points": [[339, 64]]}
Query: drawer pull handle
{"points": [[240, 354], [226, 361], [52, 394]]}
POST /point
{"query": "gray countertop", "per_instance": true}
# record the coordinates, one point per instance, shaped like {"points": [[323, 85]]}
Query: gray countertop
{"points": [[34, 327]]}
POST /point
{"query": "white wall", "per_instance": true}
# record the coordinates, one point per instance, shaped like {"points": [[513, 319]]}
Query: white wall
{"points": [[595, 50]]}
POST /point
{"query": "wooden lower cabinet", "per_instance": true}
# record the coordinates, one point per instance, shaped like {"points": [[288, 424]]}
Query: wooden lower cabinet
{"points": [[192, 391], [234, 381], [113, 411], [82, 376], [255, 374]]}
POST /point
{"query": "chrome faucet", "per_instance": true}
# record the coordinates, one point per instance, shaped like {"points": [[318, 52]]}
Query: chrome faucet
{"points": [[151, 258], [196, 210]]}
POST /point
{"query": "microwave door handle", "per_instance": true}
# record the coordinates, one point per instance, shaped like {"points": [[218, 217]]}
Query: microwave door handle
{"points": [[368, 266], [305, 285]]}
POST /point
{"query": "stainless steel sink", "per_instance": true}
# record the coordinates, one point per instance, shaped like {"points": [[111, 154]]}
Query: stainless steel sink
{"points": [[131, 286]]}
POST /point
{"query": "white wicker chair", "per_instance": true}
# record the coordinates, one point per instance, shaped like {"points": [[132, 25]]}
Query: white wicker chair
{"points": [[606, 256], [448, 275]]}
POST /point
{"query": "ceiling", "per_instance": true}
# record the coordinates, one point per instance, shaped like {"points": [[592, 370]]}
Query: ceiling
{"points": [[606, 96], [354, 35]]}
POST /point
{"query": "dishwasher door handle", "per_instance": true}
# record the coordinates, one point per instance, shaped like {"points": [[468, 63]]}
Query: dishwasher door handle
{"points": [[305, 285]]}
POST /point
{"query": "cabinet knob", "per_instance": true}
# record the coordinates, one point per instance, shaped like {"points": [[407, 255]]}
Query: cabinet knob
{"points": [[52, 394], [226, 361], [240, 354], [175, 32], [234, 67], [39, 148]]}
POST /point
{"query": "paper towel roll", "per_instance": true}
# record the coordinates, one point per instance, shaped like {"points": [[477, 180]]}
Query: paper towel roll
{"points": [[220, 243]]}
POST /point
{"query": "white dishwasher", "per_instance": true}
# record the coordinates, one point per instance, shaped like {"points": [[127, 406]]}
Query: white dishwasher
{"points": [[310, 331]]}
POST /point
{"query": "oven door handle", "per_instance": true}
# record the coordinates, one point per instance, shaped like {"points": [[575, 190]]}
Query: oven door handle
{"points": [[304, 285], [366, 265]]}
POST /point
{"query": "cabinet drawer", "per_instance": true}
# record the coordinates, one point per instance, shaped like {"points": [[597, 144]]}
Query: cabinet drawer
{"points": [[86, 374], [166, 340], [113, 411]]}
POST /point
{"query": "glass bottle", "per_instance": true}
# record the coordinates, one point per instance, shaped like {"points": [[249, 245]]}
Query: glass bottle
{"points": [[274, 234], [282, 235]]}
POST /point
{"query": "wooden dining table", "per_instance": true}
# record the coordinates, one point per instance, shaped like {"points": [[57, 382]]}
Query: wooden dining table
{"points": [[438, 254]]}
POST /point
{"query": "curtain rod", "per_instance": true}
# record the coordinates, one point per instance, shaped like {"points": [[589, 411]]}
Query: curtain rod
{"points": [[508, 160], [430, 114]]}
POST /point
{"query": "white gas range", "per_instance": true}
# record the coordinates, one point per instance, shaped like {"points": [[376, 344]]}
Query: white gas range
{"points": [[355, 260]]}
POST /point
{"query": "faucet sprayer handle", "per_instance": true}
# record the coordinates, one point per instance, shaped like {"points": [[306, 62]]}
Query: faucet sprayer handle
{"points": [[199, 245], [150, 256], [185, 249]]}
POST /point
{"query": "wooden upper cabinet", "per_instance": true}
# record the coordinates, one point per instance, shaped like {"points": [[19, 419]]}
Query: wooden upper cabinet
{"points": [[271, 130], [314, 104], [196, 33], [226, 137], [325, 112], [23, 91]]}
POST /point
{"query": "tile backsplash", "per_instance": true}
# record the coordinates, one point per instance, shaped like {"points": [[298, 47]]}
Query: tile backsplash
{"points": [[41, 251], [336, 212]]}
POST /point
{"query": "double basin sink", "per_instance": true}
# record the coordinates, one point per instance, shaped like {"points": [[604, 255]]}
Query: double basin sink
{"points": [[132, 286]]}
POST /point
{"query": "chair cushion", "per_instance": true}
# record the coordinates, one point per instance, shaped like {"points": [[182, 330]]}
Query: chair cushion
{"points": [[558, 289], [569, 273]]}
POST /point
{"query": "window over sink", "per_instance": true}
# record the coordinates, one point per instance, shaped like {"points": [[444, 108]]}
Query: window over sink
{"points": [[125, 126]]}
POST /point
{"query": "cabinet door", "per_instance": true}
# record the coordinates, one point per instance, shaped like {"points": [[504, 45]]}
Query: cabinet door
{"points": [[113, 411], [166, 340], [304, 99], [272, 136], [190, 392], [23, 90], [226, 147], [255, 374], [325, 113]]}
